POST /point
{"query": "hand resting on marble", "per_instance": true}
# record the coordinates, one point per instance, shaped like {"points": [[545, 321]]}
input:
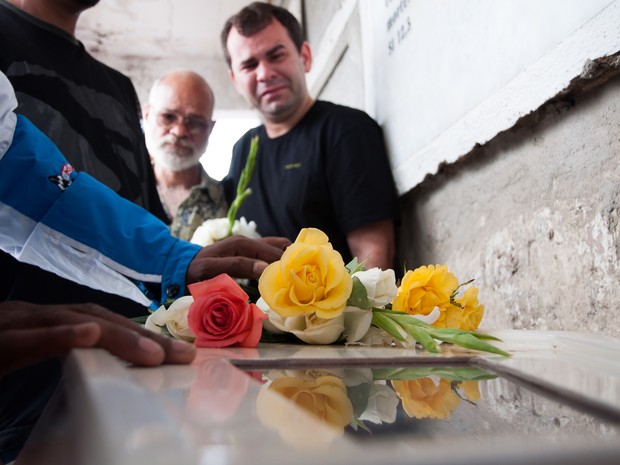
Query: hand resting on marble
{"points": [[30, 333]]}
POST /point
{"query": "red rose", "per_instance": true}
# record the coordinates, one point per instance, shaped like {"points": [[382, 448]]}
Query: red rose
{"points": [[221, 316]]}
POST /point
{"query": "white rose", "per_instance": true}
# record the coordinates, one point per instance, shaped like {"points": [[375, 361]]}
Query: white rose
{"points": [[216, 229], [380, 285], [307, 327], [210, 231], [174, 319], [357, 322], [382, 404], [243, 228]]}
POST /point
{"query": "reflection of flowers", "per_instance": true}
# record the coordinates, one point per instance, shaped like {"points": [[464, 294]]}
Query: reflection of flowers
{"points": [[354, 394], [382, 404], [323, 409], [434, 397], [325, 397], [427, 397], [355, 397], [221, 316], [218, 389]]}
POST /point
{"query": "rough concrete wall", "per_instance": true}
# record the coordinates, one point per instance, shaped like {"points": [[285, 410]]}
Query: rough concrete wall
{"points": [[533, 216]]}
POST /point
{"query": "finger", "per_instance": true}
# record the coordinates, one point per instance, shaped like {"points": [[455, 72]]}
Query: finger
{"points": [[123, 337], [175, 351], [259, 249], [238, 267], [279, 242], [22, 347]]}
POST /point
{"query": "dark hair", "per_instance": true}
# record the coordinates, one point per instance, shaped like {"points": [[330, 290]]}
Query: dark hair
{"points": [[257, 16]]}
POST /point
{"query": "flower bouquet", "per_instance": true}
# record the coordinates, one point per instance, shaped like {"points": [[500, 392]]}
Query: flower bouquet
{"points": [[216, 229], [311, 294]]}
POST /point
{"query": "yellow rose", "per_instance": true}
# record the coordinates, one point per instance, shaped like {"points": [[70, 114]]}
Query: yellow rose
{"points": [[325, 409], [424, 398], [310, 277], [471, 390], [472, 312], [424, 289], [325, 397]]}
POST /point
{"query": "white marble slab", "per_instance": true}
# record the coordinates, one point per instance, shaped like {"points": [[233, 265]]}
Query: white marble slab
{"points": [[212, 412]]}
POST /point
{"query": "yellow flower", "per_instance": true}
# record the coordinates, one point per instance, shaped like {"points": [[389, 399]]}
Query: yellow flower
{"points": [[310, 277], [324, 397], [471, 313], [424, 398], [471, 390], [424, 289], [325, 410]]}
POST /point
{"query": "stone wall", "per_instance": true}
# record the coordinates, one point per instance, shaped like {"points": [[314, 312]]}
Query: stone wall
{"points": [[533, 216]]}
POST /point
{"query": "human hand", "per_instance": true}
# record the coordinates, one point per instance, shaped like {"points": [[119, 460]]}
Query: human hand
{"points": [[238, 256], [30, 333]]}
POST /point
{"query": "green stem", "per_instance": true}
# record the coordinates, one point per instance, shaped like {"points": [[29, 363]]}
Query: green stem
{"points": [[242, 187]]}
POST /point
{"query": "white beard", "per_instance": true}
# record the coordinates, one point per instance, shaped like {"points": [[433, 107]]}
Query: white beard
{"points": [[170, 158]]}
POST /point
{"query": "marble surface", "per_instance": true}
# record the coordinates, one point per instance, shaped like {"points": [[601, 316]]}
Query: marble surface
{"points": [[556, 400]]}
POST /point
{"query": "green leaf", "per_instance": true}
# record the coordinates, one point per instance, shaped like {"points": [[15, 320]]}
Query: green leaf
{"points": [[354, 266], [359, 295], [359, 395], [451, 335], [453, 373], [440, 333], [470, 341], [423, 338], [389, 326]]}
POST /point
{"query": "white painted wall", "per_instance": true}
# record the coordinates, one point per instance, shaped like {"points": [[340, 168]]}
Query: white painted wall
{"points": [[447, 75]]}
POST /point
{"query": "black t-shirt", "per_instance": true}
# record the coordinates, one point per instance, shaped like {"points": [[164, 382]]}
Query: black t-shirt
{"points": [[330, 171]]}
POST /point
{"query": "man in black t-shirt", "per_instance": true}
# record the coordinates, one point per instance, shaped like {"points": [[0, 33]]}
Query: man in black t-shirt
{"points": [[318, 164]]}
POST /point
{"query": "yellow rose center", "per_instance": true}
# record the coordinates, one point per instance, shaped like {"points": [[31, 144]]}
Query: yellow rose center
{"points": [[307, 287]]}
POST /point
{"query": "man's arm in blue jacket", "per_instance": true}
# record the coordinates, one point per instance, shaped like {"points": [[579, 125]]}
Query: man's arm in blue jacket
{"points": [[70, 224]]}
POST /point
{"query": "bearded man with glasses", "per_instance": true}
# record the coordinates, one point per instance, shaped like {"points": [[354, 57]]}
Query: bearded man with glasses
{"points": [[177, 125]]}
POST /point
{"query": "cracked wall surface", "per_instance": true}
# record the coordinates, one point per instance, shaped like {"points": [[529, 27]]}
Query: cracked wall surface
{"points": [[533, 216]]}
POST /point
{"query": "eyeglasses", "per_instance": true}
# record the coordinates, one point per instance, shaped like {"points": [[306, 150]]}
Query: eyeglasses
{"points": [[193, 124]]}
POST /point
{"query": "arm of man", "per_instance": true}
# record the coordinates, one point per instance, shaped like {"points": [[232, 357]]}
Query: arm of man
{"points": [[85, 232], [74, 226], [374, 243]]}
